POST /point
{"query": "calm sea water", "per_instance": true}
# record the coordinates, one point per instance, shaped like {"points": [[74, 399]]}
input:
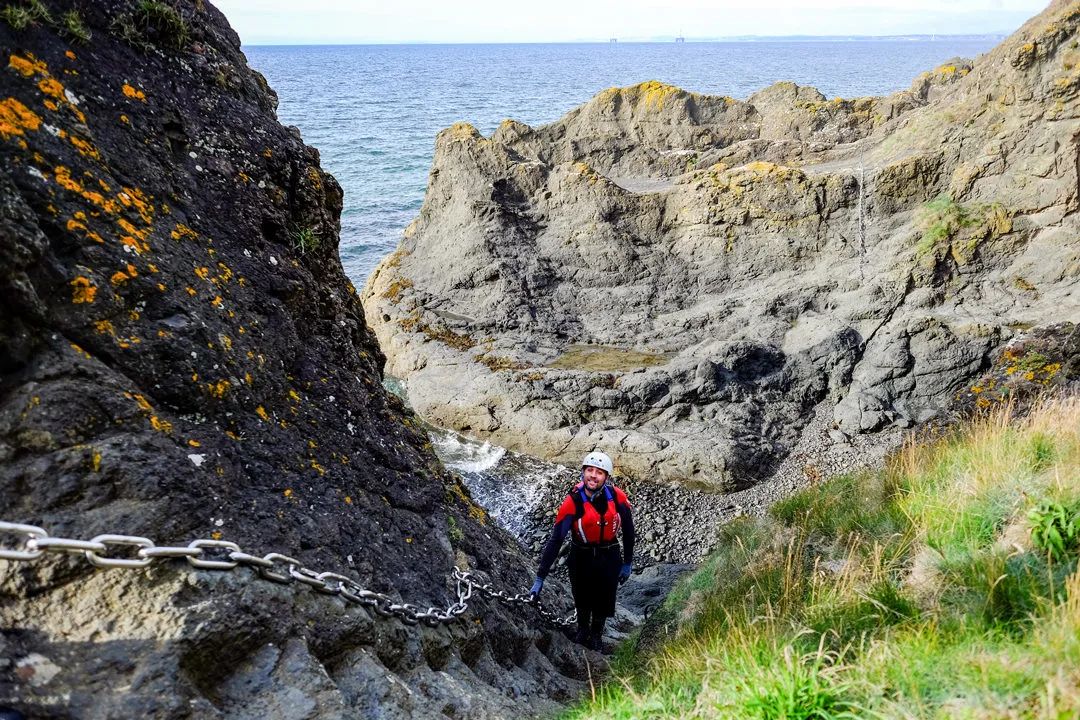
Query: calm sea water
{"points": [[373, 110]]}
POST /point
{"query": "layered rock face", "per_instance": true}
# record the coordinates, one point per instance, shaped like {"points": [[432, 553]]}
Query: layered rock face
{"points": [[682, 280], [182, 357]]}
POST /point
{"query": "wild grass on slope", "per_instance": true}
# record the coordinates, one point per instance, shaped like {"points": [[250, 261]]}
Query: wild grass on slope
{"points": [[914, 592]]}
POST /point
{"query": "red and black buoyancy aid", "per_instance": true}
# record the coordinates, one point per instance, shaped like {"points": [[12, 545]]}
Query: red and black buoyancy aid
{"points": [[590, 526]]}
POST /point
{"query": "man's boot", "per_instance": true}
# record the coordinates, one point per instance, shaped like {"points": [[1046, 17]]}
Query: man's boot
{"points": [[596, 635], [581, 637]]}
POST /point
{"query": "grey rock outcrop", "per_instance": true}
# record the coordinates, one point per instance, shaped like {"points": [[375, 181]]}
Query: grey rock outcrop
{"points": [[683, 280]]}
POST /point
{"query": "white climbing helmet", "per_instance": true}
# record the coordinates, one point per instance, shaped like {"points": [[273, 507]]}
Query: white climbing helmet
{"points": [[598, 460]]}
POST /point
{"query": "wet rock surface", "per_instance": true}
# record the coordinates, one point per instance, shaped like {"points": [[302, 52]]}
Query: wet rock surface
{"points": [[690, 283], [182, 357]]}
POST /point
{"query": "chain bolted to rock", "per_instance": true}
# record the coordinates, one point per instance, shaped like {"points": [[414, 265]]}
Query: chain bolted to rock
{"points": [[222, 555]]}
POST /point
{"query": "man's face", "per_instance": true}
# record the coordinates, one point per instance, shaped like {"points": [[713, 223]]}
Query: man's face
{"points": [[594, 478]]}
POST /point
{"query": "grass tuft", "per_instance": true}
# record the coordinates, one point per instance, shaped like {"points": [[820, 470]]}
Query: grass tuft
{"points": [[71, 25], [305, 240], [151, 23]]}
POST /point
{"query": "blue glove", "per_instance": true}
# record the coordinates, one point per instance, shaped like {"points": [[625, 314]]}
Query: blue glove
{"points": [[624, 574], [536, 587]]}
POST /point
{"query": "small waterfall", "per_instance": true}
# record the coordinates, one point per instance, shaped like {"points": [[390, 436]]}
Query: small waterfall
{"points": [[506, 484], [862, 225]]}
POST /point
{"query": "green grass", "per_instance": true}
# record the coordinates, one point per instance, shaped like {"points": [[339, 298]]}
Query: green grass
{"points": [[934, 588], [72, 26], [305, 240], [17, 17], [959, 229], [149, 23]]}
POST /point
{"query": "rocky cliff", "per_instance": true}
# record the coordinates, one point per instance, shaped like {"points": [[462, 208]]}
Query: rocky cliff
{"points": [[182, 357], [685, 281]]}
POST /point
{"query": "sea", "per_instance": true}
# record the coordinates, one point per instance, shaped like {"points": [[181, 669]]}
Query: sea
{"points": [[373, 110]]}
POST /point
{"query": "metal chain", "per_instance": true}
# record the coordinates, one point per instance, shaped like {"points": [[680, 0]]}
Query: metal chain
{"points": [[224, 555]]}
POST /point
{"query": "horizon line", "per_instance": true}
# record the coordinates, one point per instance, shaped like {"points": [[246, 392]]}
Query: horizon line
{"points": [[657, 40]]}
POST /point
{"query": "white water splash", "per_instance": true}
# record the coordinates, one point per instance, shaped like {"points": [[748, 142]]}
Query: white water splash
{"points": [[465, 455]]}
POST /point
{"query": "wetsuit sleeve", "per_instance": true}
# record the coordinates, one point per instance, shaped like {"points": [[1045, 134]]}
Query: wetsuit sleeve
{"points": [[627, 517], [551, 550]]}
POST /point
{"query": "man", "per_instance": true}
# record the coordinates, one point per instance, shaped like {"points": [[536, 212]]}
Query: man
{"points": [[593, 512]]}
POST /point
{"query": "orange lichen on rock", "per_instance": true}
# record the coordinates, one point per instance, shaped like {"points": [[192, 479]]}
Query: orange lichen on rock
{"points": [[119, 277], [52, 87], [132, 197], [15, 118], [84, 290], [85, 148], [218, 389], [183, 231], [133, 93], [161, 425], [28, 65]]}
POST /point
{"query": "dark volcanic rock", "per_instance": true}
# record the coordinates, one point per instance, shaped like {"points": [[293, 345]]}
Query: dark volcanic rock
{"points": [[686, 282], [181, 356]]}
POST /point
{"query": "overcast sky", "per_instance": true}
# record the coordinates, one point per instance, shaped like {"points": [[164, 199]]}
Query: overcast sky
{"points": [[263, 22]]}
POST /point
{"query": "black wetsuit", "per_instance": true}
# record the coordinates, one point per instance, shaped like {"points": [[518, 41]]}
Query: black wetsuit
{"points": [[594, 567]]}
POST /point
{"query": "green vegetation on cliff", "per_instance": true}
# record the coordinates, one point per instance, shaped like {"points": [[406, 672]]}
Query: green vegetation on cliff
{"points": [[945, 585]]}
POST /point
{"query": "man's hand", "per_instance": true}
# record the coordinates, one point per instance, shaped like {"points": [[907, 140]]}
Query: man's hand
{"points": [[537, 585], [624, 574]]}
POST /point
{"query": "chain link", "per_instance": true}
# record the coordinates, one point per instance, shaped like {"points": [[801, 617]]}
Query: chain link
{"points": [[222, 555]]}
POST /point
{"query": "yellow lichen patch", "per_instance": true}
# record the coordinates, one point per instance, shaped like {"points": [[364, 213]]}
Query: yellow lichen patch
{"points": [[124, 119], [242, 177], [464, 131], [130, 229], [203, 273], [133, 93], [118, 277], [104, 327], [261, 412], [190, 290], [28, 65], [53, 88], [137, 247], [95, 461], [218, 302], [70, 55], [161, 425], [288, 493], [318, 467], [84, 290], [80, 351], [226, 342], [193, 443], [85, 148], [142, 403], [73, 225], [132, 197], [226, 273], [218, 389], [348, 499], [183, 231], [15, 118], [294, 396]]}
